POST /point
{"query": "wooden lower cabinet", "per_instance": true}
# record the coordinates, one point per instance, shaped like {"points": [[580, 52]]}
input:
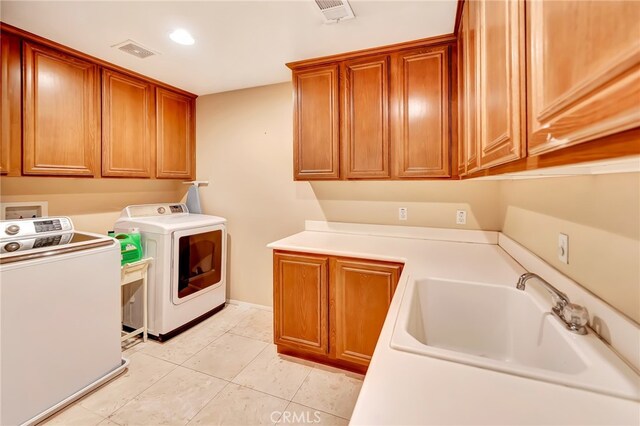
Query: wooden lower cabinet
{"points": [[331, 309]]}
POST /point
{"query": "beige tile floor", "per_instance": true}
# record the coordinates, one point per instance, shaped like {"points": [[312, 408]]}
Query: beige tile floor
{"points": [[224, 371]]}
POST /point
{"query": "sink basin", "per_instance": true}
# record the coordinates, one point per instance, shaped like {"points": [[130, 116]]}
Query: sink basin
{"points": [[504, 329]]}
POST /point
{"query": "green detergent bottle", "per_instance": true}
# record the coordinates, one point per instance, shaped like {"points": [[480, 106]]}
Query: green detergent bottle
{"points": [[130, 247]]}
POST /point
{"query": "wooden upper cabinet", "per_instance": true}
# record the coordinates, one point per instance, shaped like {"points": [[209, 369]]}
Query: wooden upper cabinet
{"points": [[583, 71], [175, 130], [10, 105], [61, 112], [501, 82], [421, 116], [316, 123], [384, 114], [365, 118], [128, 125], [300, 302], [359, 296]]}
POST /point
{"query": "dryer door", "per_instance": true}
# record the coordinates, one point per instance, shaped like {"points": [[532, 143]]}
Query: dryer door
{"points": [[199, 256]]}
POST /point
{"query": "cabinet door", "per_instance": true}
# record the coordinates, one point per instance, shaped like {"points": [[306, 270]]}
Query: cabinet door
{"points": [[501, 65], [471, 76], [300, 302], [365, 136], [359, 296], [462, 113], [175, 128], [421, 113], [316, 124], [61, 114], [128, 125], [10, 105], [583, 74]]}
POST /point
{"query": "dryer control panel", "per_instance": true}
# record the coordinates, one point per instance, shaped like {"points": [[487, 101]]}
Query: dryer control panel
{"points": [[150, 210]]}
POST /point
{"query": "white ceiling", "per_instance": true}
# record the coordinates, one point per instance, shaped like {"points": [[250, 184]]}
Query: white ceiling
{"points": [[239, 44]]}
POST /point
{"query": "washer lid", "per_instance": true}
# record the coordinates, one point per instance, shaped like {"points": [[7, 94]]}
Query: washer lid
{"points": [[168, 224], [50, 244]]}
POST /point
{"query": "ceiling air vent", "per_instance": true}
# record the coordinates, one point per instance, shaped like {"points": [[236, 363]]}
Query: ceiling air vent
{"points": [[335, 10], [134, 48]]}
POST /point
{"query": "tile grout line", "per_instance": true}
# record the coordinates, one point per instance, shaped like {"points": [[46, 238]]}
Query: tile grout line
{"points": [[203, 348], [301, 383], [226, 330], [208, 402], [144, 390], [216, 394], [48, 419], [245, 387], [320, 367], [252, 359], [221, 378], [205, 373]]}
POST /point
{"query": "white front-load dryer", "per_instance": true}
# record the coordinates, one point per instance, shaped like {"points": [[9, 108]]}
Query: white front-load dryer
{"points": [[187, 278]]}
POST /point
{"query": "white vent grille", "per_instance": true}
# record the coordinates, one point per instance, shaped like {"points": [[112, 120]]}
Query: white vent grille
{"points": [[136, 49], [335, 10]]}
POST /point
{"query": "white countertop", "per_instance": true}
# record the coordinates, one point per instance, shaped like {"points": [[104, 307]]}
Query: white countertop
{"points": [[401, 388]]}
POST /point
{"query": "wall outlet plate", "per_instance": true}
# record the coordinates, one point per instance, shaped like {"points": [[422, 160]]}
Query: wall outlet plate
{"points": [[563, 248], [461, 217], [403, 213]]}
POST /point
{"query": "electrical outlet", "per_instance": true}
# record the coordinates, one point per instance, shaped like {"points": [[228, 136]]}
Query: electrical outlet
{"points": [[461, 217], [563, 248], [403, 213]]}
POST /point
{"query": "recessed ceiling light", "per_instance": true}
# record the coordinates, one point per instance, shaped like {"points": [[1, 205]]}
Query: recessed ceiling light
{"points": [[182, 37]]}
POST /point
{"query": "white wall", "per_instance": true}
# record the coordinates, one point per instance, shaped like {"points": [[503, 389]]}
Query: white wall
{"points": [[601, 215]]}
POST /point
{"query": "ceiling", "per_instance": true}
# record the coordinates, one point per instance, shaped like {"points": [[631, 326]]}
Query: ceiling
{"points": [[238, 44]]}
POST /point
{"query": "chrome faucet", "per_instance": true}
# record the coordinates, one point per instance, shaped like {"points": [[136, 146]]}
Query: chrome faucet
{"points": [[574, 317]]}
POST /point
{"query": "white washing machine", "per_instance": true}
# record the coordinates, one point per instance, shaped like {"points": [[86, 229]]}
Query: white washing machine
{"points": [[59, 311], [187, 279]]}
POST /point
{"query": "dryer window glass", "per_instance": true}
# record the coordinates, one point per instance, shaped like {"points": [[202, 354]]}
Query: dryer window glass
{"points": [[200, 262]]}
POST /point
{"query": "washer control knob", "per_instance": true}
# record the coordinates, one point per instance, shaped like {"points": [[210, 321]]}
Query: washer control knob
{"points": [[12, 229], [13, 246], [161, 210]]}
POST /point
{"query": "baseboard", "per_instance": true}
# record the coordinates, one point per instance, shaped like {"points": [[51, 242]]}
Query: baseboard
{"points": [[249, 305]]}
